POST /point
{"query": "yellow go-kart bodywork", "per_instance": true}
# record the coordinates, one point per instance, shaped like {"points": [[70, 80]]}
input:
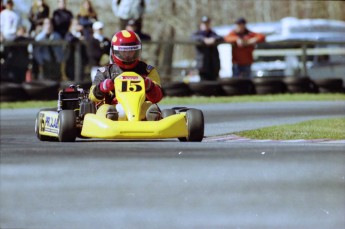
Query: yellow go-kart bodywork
{"points": [[130, 93], [66, 124]]}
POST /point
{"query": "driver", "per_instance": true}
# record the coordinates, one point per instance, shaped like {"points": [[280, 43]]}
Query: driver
{"points": [[125, 56]]}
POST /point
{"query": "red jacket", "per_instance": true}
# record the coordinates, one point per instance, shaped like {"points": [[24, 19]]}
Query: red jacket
{"points": [[243, 55]]}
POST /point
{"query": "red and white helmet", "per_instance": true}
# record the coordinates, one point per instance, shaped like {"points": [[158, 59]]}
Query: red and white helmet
{"points": [[125, 49]]}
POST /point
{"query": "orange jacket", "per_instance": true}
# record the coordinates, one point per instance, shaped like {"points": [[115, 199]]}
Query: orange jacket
{"points": [[243, 55]]}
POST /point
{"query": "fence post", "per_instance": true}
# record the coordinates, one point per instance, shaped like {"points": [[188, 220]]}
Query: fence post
{"points": [[77, 63], [167, 59]]}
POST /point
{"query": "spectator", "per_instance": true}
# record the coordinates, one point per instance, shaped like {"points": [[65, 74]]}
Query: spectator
{"points": [[49, 57], [74, 38], [9, 22], [39, 10], [75, 31], [207, 56], [129, 9], [132, 26], [3, 70], [243, 44], [86, 17], [98, 48], [62, 18], [2, 7], [16, 58]]}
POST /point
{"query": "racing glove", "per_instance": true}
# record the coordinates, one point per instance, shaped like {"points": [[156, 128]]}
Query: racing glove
{"points": [[106, 85]]}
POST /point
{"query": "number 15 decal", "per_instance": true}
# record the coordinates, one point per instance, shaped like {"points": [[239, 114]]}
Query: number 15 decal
{"points": [[131, 86]]}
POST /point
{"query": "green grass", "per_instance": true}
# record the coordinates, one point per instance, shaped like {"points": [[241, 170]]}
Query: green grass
{"points": [[201, 100], [316, 129], [28, 104]]}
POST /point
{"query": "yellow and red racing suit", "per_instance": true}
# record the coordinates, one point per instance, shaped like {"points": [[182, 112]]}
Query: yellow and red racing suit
{"points": [[111, 71]]}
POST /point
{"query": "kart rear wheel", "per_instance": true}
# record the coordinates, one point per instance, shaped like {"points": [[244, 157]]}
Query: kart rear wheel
{"points": [[167, 112], [195, 125], [67, 126]]}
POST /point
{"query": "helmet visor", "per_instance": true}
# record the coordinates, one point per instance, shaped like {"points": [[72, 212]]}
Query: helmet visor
{"points": [[127, 53]]}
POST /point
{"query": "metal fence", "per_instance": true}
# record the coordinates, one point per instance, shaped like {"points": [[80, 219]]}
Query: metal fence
{"points": [[163, 54]]}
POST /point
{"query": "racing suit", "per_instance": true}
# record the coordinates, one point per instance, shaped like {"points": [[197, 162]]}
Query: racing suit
{"points": [[154, 94]]}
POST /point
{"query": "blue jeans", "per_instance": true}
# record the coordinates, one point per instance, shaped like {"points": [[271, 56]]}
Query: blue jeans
{"points": [[241, 71]]}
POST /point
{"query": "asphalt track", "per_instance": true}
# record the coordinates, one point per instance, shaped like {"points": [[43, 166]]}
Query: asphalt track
{"points": [[168, 184]]}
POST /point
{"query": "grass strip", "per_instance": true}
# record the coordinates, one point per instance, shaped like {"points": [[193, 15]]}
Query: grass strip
{"points": [[202, 100], [333, 128]]}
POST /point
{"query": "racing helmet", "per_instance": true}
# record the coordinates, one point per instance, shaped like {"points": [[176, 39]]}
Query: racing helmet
{"points": [[125, 49]]}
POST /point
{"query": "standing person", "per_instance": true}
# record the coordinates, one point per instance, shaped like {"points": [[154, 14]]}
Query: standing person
{"points": [[86, 17], [129, 9], [207, 55], [9, 22], [126, 46], [2, 7], [132, 26], [74, 37], [49, 57], [38, 11], [62, 18], [18, 57], [98, 47], [243, 44]]}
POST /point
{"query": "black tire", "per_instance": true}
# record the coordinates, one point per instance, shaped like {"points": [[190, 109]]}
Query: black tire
{"points": [[67, 126], [42, 90], [176, 89], [174, 85], [300, 85], [195, 125], [10, 92], [329, 85], [237, 86], [167, 112], [207, 88], [177, 92], [269, 85]]}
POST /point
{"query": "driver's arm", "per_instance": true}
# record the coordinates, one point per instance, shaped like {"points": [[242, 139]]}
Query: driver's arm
{"points": [[154, 93], [96, 94]]}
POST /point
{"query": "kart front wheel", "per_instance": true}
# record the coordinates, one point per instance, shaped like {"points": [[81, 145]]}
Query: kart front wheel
{"points": [[67, 126], [195, 125]]}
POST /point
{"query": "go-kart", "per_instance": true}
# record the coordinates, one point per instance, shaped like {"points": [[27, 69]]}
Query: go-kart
{"points": [[77, 116]]}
